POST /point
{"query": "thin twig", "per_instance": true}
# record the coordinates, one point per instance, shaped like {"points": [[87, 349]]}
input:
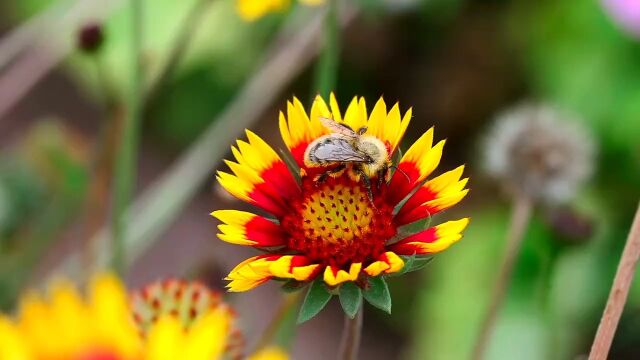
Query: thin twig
{"points": [[125, 171], [618, 294], [521, 214], [158, 206], [289, 303], [350, 343]]}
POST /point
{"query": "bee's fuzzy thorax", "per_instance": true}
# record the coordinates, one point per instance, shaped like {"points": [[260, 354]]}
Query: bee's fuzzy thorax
{"points": [[376, 149]]}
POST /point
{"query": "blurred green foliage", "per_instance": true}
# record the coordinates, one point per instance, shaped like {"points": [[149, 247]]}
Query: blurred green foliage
{"points": [[43, 182]]}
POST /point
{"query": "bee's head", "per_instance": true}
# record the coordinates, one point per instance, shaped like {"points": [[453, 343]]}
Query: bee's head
{"points": [[373, 148]]}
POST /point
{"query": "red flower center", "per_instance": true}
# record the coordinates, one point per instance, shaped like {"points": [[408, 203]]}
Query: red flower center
{"points": [[336, 223]]}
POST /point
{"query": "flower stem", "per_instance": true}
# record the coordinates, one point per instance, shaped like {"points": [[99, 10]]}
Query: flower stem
{"points": [[521, 214], [618, 294], [179, 47], [282, 323], [351, 333], [125, 168], [327, 68]]}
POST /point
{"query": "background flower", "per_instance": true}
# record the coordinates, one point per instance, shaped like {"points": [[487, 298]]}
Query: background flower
{"points": [[254, 9], [65, 325], [539, 151]]}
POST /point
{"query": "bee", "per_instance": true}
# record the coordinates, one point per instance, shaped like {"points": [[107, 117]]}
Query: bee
{"points": [[365, 156]]}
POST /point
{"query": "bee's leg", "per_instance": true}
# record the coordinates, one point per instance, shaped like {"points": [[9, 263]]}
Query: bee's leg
{"points": [[382, 175], [323, 177], [367, 183]]}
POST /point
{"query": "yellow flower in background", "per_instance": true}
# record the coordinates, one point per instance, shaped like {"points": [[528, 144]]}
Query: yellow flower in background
{"points": [[254, 9], [270, 353], [174, 320], [339, 221]]}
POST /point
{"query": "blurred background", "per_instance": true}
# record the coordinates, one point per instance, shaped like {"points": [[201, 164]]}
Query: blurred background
{"points": [[456, 62]]}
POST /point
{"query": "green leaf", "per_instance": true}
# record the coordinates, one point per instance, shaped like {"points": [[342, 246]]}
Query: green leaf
{"points": [[316, 299], [378, 294], [350, 299]]}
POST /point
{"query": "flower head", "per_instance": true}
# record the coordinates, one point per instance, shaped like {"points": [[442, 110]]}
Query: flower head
{"points": [[67, 326], [340, 221], [539, 151], [254, 9], [626, 14]]}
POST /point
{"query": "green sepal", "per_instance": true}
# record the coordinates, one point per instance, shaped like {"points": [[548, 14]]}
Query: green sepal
{"points": [[293, 286], [415, 227], [377, 294], [316, 299], [350, 298], [413, 263], [291, 164]]}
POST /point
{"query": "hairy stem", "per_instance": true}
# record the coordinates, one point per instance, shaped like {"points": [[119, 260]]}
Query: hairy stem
{"points": [[350, 343], [618, 294], [521, 214]]}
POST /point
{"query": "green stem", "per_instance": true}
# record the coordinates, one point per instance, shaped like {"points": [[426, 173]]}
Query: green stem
{"points": [[327, 68], [125, 171], [520, 217], [281, 328], [179, 47]]}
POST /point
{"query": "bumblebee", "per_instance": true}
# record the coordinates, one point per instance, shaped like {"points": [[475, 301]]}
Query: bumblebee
{"points": [[364, 156]]}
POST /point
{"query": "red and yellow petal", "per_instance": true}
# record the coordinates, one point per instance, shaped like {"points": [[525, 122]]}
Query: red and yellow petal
{"points": [[387, 263], [432, 240], [437, 194], [245, 228], [416, 164], [258, 269], [260, 177], [356, 115], [298, 130], [295, 267], [335, 276], [388, 127]]}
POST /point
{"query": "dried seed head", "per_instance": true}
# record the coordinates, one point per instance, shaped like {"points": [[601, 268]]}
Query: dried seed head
{"points": [[539, 151]]}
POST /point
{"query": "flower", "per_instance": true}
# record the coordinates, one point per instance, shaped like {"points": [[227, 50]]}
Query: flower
{"points": [[338, 229], [270, 353], [539, 151], [251, 10], [90, 37], [626, 14], [67, 326]]}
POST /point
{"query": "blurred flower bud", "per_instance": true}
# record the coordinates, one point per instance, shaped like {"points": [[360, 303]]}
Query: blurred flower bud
{"points": [[626, 14], [540, 152], [90, 37], [571, 226]]}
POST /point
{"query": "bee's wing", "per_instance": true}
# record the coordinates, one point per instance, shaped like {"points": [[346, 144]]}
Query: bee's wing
{"points": [[338, 128], [336, 149]]}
